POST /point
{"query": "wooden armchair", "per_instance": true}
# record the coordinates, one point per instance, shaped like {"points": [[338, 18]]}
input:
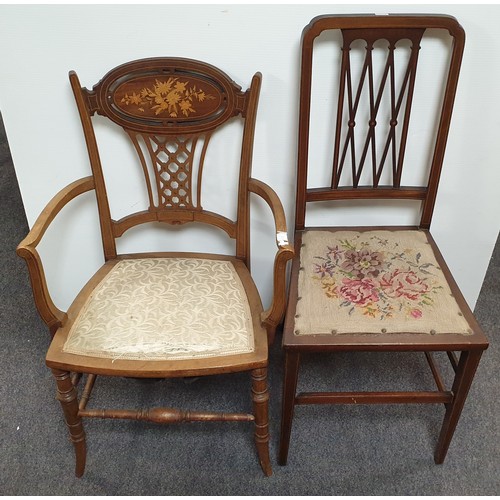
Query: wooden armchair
{"points": [[376, 289], [164, 315]]}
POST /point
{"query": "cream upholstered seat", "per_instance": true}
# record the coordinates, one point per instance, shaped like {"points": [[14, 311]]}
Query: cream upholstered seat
{"points": [[164, 308], [373, 282]]}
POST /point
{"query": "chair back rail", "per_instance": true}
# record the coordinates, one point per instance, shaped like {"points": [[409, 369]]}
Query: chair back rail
{"points": [[381, 144], [169, 108]]}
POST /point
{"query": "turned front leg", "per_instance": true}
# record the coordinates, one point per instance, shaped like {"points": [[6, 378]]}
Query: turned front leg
{"points": [[260, 398], [67, 396]]}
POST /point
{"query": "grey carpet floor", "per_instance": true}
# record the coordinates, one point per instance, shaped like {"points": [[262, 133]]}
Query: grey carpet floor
{"points": [[345, 450]]}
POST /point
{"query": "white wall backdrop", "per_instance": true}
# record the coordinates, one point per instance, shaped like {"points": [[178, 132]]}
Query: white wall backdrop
{"points": [[39, 44]]}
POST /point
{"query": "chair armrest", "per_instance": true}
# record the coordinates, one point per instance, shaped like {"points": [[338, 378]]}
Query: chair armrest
{"points": [[272, 316], [52, 316]]}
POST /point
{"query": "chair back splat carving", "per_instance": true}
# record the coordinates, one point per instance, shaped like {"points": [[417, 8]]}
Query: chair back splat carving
{"points": [[169, 107], [368, 137], [166, 314]]}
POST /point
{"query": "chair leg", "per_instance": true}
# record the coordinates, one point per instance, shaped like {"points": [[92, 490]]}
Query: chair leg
{"points": [[271, 334], [260, 398], [67, 396], [467, 366], [292, 360]]}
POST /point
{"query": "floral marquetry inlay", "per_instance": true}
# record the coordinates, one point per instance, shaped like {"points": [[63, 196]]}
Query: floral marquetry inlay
{"points": [[173, 97]]}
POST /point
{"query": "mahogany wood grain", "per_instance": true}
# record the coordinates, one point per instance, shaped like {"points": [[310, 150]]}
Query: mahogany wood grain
{"points": [[273, 316], [108, 242], [75, 378], [260, 398], [392, 28], [243, 223], [453, 360], [52, 316], [174, 217], [435, 371], [167, 415], [469, 361], [391, 157], [290, 379], [355, 398], [168, 108], [89, 385], [67, 396], [360, 193]]}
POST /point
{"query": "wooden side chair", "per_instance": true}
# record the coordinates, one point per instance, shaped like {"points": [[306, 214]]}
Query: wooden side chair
{"points": [[375, 289], [164, 315]]}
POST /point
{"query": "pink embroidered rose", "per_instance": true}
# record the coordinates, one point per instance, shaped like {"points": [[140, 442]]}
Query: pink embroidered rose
{"points": [[359, 292], [416, 313], [363, 263], [403, 284]]}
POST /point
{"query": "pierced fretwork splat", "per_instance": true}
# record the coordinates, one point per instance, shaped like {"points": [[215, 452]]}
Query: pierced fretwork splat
{"points": [[397, 95], [172, 168]]}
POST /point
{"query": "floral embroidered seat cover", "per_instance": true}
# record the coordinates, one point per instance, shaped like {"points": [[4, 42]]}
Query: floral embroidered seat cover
{"points": [[373, 282]]}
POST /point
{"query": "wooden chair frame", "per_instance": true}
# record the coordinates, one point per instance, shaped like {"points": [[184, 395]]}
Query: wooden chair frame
{"points": [[370, 28], [173, 204]]}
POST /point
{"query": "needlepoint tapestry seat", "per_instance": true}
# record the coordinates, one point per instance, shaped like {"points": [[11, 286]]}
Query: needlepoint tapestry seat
{"points": [[373, 282]]}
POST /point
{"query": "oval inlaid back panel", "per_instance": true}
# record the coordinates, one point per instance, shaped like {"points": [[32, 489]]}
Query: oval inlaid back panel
{"points": [[168, 96]]}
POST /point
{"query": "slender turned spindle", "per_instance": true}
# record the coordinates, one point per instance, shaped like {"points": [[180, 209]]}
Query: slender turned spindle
{"points": [[67, 396], [167, 415], [87, 391], [75, 378], [260, 398]]}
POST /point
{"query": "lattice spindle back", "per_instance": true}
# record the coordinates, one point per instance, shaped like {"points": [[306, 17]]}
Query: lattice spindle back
{"points": [[170, 107], [365, 132], [173, 168], [383, 104]]}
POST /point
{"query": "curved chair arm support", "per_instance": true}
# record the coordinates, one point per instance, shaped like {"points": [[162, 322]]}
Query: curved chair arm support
{"points": [[50, 314], [272, 316]]}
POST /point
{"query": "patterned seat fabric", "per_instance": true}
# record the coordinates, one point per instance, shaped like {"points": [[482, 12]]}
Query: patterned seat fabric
{"points": [[373, 282], [165, 308]]}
